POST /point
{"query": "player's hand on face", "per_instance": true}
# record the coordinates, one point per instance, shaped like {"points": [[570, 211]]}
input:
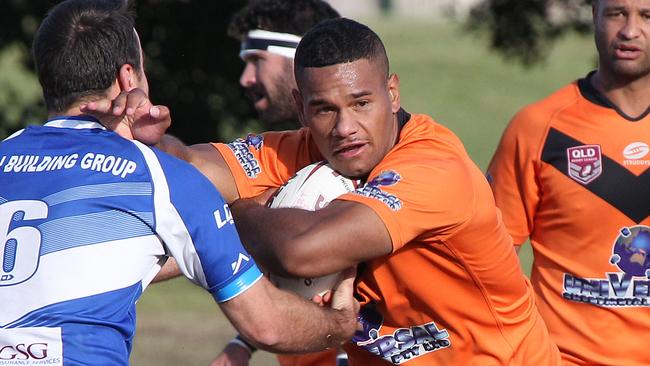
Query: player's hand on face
{"points": [[232, 355], [147, 122]]}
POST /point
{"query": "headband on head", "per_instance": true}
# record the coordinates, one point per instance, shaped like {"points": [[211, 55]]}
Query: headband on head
{"points": [[283, 44]]}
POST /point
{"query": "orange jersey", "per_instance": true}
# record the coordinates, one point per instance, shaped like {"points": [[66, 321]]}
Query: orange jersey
{"points": [[452, 291], [572, 174], [323, 358]]}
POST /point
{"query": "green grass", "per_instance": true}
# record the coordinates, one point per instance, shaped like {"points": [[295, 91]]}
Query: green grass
{"points": [[445, 73]]}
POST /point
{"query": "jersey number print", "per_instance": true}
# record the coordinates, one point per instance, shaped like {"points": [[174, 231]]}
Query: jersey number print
{"points": [[20, 246]]}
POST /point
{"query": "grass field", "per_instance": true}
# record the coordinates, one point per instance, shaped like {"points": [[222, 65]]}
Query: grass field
{"points": [[445, 73]]}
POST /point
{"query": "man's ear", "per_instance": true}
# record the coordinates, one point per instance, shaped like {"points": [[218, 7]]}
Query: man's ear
{"points": [[297, 98], [127, 77], [393, 91]]}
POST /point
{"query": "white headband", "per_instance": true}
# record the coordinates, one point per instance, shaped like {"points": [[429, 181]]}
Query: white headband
{"points": [[283, 44]]}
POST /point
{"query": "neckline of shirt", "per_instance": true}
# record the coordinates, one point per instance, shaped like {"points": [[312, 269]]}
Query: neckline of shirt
{"points": [[76, 122], [589, 92]]}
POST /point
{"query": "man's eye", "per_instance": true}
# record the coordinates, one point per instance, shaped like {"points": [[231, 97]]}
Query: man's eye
{"points": [[324, 110]]}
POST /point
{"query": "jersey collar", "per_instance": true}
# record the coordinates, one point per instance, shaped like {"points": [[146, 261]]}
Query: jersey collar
{"points": [[593, 95], [76, 122]]}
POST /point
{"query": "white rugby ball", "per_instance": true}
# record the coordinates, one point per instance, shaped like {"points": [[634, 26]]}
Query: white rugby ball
{"points": [[311, 188]]}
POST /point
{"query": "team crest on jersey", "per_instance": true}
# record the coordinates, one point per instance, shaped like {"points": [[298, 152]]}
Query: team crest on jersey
{"points": [[630, 286], [404, 344], [373, 189], [242, 150], [584, 163]]}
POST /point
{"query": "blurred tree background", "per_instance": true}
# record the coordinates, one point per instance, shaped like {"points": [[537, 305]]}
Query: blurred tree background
{"points": [[191, 63], [193, 66], [525, 30]]}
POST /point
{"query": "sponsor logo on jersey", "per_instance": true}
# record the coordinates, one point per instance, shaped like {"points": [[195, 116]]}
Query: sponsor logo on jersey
{"points": [[97, 162], [584, 163], [635, 153], [31, 346], [223, 218], [241, 259], [242, 150], [22, 351], [404, 344], [373, 189], [626, 288]]}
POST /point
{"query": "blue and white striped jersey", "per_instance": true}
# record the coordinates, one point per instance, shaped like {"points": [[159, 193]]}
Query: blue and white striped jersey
{"points": [[86, 220]]}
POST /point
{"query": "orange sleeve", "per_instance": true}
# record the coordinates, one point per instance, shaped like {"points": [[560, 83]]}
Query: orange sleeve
{"points": [[513, 170], [418, 189], [259, 162]]}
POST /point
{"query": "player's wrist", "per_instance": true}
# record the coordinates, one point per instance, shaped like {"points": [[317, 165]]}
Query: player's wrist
{"points": [[344, 327], [242, 343]]}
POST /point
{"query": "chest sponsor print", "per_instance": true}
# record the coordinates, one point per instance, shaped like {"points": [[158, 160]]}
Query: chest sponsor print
{"points": [[636, 153], [373, 189], [629, 286], [404, 344]]}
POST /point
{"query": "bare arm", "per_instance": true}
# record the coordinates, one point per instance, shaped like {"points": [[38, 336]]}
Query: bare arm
{"points": [[168, 271], [148, 123], [206, 159], [280, 322], [295, 242]]}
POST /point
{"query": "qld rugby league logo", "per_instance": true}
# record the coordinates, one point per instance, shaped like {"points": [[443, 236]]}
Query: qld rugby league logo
{"points": [[584, 163]]}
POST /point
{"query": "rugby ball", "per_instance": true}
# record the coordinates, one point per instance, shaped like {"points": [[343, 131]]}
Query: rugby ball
{"points": [[311, 188]]}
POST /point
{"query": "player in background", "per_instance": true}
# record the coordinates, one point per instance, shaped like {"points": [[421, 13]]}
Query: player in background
{"points": [[439, 282], [269, 32], [87, 216], [571, 173]]}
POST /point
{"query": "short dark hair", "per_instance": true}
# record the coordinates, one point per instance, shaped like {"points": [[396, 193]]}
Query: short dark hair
{"points": [[338, 41], [80, 47], [283, 16]]}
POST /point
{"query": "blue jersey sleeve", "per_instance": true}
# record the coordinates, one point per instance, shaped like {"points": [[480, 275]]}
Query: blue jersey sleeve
{"points": [[197, 227]]}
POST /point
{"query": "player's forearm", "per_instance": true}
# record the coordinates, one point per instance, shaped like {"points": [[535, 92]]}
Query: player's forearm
{"points": [[207, 160], [173, 146], [282, 322], [270, 235], [315, 328], [168, 271]]}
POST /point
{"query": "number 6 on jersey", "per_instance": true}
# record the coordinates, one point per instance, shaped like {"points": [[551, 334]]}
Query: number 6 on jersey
{"points": [[19, 247]]}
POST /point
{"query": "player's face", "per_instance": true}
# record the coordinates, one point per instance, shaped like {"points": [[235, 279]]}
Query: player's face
{"points": [[268, 80], [623, 37], [350, 109]]}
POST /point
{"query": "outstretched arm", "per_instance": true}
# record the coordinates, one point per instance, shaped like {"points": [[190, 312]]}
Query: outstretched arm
{"points": [[147, 123], [300, 243], [207, 160], [281, 322]]}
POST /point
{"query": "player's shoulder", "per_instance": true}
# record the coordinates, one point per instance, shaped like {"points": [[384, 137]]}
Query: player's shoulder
{"points": [[541, 112], [428, 139]]}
